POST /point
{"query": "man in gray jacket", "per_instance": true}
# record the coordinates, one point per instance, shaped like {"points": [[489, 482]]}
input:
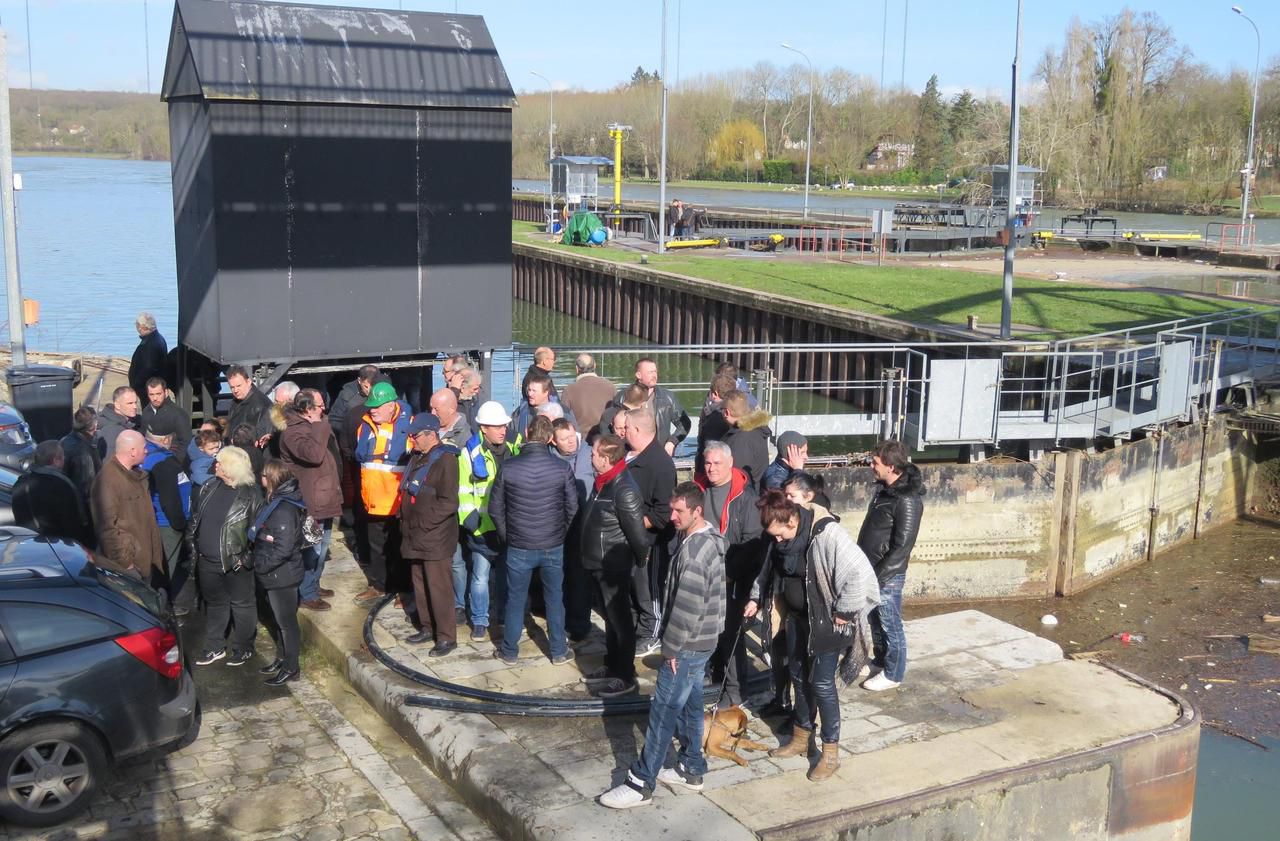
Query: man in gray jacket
{"points": [[692, 619]]}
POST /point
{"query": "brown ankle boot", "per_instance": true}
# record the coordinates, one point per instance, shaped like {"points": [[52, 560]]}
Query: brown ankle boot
{"points": [[798, 746], [828, 764]]}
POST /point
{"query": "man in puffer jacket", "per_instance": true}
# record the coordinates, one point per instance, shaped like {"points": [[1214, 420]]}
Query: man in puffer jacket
{"points": [[887, 537], [533, 501]]}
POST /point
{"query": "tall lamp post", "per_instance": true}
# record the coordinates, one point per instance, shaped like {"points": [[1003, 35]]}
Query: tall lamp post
{"points": [[662, 153], [808, 143], [551, 134], [1253, 119], [1010, 231]]}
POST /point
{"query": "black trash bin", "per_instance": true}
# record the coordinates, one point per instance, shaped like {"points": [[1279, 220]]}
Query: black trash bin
{"points": [[43, 393]]}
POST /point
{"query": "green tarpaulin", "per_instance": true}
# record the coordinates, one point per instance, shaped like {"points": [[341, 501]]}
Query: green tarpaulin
{"points": [[581, 227]]}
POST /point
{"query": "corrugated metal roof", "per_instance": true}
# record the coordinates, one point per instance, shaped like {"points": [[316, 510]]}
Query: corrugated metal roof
{"points": [[583, 160], [282, 52]]}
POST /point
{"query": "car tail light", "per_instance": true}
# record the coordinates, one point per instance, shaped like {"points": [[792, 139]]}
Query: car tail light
{"points": [[157, 648]]}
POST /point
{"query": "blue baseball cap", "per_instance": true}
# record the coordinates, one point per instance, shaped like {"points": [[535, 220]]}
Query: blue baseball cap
{"points": [[424, 422]]}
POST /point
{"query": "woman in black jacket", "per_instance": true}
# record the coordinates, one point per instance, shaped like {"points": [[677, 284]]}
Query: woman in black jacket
{"points": [[217, 540], [277, 539]]}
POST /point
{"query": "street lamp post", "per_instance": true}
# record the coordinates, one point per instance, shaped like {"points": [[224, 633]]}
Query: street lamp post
{"points": [[1010, 229], [1253, 119], [808, 143], [662, 153], [551, 134]]}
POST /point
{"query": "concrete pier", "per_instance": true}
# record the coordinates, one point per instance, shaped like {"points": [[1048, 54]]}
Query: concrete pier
{"points": [[992, 735]]}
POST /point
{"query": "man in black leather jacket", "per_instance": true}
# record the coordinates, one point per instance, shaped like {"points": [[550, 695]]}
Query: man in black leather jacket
{"points": [[671, 420], [887, 537], [614, 542]]}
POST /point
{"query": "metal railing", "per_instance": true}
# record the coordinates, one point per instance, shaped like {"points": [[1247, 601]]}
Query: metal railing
{"points": [[975, 393]]}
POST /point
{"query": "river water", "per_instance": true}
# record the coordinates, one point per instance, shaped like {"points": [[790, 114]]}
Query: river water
{"points": [[96, 247]]}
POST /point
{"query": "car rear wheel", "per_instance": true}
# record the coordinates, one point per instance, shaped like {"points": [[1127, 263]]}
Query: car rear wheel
{"points": [[50, 773]]}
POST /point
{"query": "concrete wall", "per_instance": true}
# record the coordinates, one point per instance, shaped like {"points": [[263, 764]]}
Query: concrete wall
{"points": [[989, 530], [1144, 497], [1007, 530]]}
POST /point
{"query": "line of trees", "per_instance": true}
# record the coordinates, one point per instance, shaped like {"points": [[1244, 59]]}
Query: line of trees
{"points": [[128, 125], [1120, 114]]}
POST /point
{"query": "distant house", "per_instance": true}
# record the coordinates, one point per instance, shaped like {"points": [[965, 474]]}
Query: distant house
{"points": [[1157, 173], [75, 129], [790, 144], [889, 155]]}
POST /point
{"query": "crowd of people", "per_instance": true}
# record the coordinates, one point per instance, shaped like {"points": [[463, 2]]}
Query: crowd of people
{"points": [[472, 516]]}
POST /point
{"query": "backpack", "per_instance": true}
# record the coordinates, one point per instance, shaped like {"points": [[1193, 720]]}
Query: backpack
{"points": [[312, 534]]}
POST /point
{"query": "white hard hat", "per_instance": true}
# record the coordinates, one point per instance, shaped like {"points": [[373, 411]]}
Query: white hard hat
{"points": [[492, 414]]}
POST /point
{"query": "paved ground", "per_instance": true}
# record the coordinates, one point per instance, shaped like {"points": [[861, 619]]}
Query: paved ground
{"points": [[275, 763], [981, 696]]}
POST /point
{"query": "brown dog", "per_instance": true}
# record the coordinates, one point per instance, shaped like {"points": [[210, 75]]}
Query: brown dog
{"points": [[723, 732]]}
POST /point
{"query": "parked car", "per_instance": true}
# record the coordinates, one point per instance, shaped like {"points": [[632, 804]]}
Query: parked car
{"points": [[91, 672], [17, 449]]}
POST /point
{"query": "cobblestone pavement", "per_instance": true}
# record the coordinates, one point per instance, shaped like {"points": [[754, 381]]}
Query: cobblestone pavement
{"points": [[273, 764]]}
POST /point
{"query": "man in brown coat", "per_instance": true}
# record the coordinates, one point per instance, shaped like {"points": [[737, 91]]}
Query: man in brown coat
{"points": [[128, 537], [308, 444], [429, 532], [588, 395]]}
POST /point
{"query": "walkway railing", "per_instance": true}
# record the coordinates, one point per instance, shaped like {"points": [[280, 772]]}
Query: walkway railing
{"points": [[1107, 385]]}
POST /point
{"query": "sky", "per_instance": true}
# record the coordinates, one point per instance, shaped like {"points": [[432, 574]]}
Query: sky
{"points": [[101, 44]]}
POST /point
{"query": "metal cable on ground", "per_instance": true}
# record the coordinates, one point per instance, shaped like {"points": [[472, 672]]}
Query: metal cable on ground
{"points": [[487, 702]]}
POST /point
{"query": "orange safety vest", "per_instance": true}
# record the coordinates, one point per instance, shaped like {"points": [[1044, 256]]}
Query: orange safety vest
{"points": [[383, 452]]}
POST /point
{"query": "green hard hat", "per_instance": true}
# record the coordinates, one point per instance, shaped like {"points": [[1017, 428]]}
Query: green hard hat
{"points": [[380, 393]]}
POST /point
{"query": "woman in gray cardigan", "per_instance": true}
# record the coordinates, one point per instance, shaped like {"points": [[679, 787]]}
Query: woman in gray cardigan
{"points": [[827, 587]]}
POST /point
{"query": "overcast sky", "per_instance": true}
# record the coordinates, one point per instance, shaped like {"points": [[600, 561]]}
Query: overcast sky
{"points": [[99, 44]]}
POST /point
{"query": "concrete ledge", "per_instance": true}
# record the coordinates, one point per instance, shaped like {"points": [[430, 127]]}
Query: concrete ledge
{"points": [[992, 735]]}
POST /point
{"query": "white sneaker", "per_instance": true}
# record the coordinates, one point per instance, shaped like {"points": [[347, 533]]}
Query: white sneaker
{"points": [[630, 794], [677, 776], [880, 683]]}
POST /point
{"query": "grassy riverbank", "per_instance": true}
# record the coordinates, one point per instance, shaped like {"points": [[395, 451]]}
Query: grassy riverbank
{"points": [[925, 295]]}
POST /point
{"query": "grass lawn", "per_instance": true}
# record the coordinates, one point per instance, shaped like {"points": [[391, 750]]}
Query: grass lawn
{"points": [[925, 295], [1261, 204]]}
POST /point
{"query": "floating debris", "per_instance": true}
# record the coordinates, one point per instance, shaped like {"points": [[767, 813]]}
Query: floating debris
{"points": [[1048, 619]]}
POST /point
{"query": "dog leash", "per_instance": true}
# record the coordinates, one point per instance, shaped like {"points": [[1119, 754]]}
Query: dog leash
{"points": [[724, 683]]}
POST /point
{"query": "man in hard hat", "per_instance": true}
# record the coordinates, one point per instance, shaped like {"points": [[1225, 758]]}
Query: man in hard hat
{"points": [[480, 550], [383, 447]]}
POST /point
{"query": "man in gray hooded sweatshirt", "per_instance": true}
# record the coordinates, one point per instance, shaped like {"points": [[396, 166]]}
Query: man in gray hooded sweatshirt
{"points": [[692, 619]]}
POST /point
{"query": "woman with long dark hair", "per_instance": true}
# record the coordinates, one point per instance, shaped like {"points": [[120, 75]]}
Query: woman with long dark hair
{"points": [[278, 541], [827, 586]]}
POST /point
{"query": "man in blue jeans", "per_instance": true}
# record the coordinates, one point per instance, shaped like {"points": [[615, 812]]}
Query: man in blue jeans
{"points": [[887, 537], [692, 619], [534, 498]]}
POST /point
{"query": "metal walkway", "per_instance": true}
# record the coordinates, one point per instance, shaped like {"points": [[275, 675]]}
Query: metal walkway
{"points": [[1075, 391]]}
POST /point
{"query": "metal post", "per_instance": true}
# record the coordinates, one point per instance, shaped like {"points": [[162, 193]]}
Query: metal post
{"points": [[884, 42], [1253, 119], [906, 12], [13, 286], [1011, 241], [662, 157], [551, 148], [808, 143], [146, 42]]}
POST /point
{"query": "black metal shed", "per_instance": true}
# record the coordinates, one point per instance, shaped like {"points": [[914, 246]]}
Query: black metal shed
{"points": [[341, 182]]}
